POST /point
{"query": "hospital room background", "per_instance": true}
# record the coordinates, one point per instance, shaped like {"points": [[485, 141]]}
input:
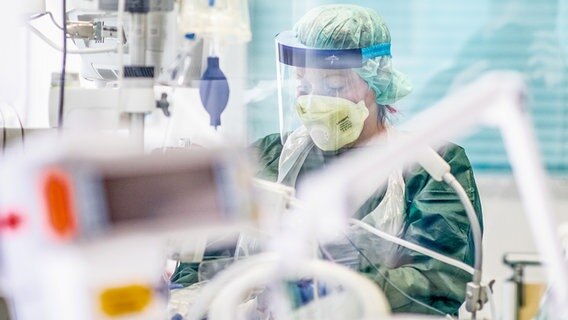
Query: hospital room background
{"points": [[440, 45]]}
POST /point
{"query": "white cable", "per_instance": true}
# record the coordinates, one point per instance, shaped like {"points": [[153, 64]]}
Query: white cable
{"points": [[439, 170], [373, 302], [72, 51], [412, 246], [474, 223], [218, 283], [433, 163], [169, 129], [404, 243]]}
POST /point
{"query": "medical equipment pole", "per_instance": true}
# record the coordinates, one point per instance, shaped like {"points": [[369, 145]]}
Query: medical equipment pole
{"points": [[137, 47]]}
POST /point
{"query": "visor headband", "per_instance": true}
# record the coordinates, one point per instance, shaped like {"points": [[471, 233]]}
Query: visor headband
{"points": [[291, 52]]}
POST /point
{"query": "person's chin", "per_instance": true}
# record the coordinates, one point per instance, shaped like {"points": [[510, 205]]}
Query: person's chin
{"points": [[341, 150]]}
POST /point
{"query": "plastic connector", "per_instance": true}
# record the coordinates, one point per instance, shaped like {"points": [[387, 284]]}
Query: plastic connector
{"points": [[475, 297], [163, 104], [433, 163]]}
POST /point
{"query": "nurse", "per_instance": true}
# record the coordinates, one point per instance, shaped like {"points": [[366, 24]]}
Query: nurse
{"points": [[337, 87]]}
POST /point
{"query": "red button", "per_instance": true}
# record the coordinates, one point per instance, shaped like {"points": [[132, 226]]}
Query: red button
{"points": [[10, 222]]}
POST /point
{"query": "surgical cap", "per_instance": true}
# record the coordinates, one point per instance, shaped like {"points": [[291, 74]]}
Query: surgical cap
{"points": [[349, 27]]}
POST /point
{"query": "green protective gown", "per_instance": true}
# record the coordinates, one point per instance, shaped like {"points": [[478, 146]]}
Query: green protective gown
{"points": [[435, 219]]}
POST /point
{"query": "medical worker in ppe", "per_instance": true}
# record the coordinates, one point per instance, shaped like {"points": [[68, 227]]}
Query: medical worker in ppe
{"points": [[337, 86]]}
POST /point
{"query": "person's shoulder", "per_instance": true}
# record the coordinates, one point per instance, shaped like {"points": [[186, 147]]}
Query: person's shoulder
{"points": [[267, 151], [454, 153], [268, 143], [449, 149], [268, 148]]}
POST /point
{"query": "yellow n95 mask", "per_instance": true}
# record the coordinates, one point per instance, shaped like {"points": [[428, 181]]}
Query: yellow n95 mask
{"points": [[332, 122]]}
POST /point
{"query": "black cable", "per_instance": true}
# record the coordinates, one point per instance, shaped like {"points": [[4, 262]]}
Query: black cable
{"points": [[55, 22], [22, 131], [39, 15], [63, 67], [4, 139], [5, 132]]}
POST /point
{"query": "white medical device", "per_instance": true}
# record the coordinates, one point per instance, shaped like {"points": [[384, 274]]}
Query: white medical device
{"points": [[91, 231]]}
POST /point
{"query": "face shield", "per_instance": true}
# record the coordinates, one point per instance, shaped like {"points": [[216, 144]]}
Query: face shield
{"points": [[319, 89]]}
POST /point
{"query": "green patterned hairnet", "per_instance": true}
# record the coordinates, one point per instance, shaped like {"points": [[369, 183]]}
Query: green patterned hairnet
{"points": [[348, 27]]}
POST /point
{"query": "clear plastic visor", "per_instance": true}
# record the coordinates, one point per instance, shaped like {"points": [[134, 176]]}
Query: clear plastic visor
{"points": [[318, 89], [303, 92]]}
